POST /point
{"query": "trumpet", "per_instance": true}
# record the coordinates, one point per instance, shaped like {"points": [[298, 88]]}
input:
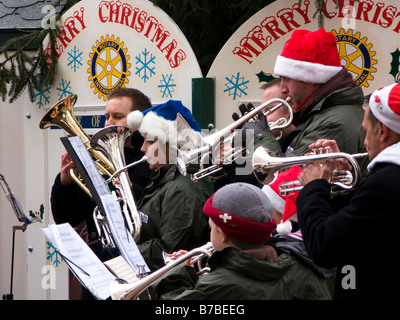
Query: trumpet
{"points": [[62, 115], [344, 177], [213, 144], [121, 290], [266, 167], [111, 141]]}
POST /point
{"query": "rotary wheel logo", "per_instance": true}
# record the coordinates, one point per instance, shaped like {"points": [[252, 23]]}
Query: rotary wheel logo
{"points": [[108, 66], [356, 56]]}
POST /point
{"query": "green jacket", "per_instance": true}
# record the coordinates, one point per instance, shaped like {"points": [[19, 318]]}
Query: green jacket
{"points": [[337, 116], [235, 275], [172, 215]]}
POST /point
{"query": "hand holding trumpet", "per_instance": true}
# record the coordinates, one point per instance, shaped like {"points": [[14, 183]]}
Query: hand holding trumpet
{"points": [[323, 169], [175, 255], [192, 261]]}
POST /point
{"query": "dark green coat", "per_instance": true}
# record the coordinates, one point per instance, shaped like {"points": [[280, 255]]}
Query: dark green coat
{"points": [[235, 275], [173, 218]]}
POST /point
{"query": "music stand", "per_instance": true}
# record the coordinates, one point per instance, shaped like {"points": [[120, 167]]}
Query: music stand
{"points": [[22, 217], [99, 189], [72, 153]]}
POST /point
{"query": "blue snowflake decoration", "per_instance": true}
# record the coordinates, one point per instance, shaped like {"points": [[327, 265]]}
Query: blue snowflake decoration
{"points": [[63, 89], [236, 86], [74, 58], [42, 97], [53, 255], [145, 71], [167, 85]]}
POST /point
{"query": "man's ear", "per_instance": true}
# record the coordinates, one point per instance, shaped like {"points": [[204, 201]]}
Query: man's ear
{"points": [[383, 131]]}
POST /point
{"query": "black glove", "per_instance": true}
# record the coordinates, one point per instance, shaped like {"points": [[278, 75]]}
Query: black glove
{"points": [[244, 136], [257, 126], [244, 109]]}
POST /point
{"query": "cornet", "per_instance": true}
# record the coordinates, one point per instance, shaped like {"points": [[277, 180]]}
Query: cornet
{"points": [[214, 143], [121, 290], [266, 167]]}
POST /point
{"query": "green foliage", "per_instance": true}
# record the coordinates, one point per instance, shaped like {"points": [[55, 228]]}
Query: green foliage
{"points": [[19, 70]]}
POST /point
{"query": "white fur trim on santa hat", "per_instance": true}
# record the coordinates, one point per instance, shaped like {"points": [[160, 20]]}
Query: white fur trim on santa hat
{"points": [[276, 200], [134, 120], [156, 126], [304, 71], [284, 228], [379, 106]]}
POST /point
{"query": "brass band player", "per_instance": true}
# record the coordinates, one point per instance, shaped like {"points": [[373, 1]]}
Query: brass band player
{"points": [[171, 204], [69, 203]]}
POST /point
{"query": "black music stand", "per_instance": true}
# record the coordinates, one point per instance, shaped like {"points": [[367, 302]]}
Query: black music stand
{"points": [[82, 170], [10, 296], [22, 217], [96, 187]]}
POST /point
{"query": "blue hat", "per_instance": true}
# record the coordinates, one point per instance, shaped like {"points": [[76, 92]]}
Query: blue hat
{"points": [[162, 120]]}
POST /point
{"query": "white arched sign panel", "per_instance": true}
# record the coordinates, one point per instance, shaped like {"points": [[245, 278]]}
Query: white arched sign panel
{"points": [[105, 44], [366, 33]]}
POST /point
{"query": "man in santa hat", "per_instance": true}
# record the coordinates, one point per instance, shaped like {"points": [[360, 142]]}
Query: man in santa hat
{"points": [[171, 204], [326, 101], [360, 239]]}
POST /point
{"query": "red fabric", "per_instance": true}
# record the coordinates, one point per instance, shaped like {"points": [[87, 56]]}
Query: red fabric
{"points": [[314, 47], [290, 200], [394, 99], [238, 228]]}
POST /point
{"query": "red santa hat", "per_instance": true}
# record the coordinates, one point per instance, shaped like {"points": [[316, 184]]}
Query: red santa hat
{"points": [[309, 56], [385, 106], [286, 205]]}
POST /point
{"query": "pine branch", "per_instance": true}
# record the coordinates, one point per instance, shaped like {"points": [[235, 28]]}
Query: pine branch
{"points": [[19, 70]]}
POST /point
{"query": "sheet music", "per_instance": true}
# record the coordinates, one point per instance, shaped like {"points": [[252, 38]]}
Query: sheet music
{"points": [[81, 260], [121, 269], [122, 236], [90, 166]]}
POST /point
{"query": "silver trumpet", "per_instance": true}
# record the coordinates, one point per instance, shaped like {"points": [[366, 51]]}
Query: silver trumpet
{"points": [[266, 166], [111, 141], [121, 290], [213, 144]]}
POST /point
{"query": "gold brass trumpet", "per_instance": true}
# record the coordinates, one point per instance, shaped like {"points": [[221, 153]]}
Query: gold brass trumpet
{"points": [[121, 290], [266, 167], [62, 115], [214, 143]]}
